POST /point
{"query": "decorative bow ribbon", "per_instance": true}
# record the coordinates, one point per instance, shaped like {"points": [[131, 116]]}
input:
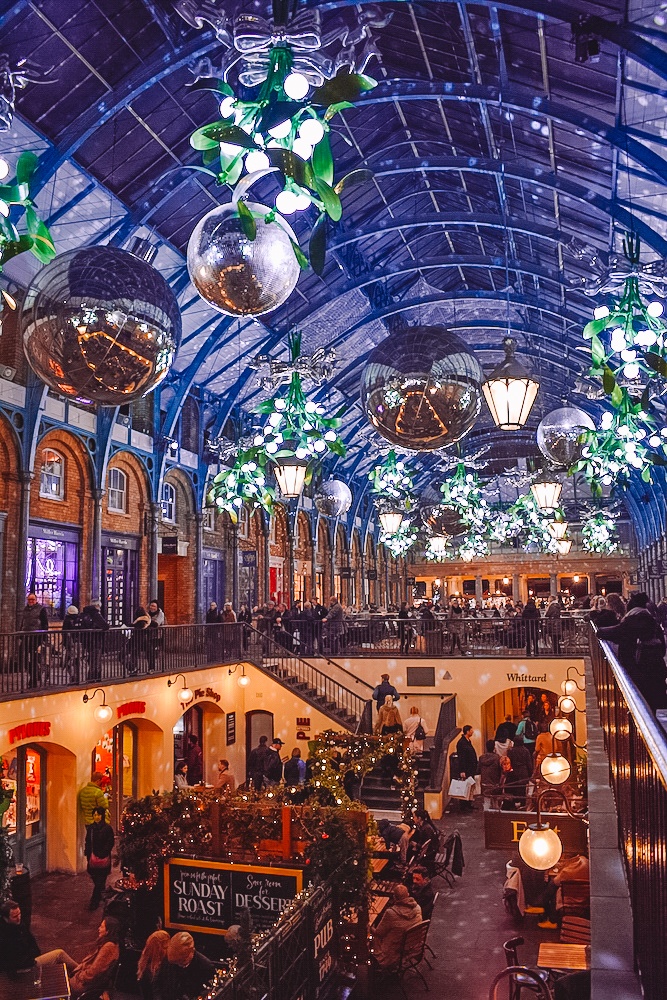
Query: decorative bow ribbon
{"points": [[253, 34], [651, 278]]}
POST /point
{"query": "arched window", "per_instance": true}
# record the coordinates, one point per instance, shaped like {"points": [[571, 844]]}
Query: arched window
{"points": [[117, 481], [244, 522], [168, 500], [208, 523], [52, 476]]}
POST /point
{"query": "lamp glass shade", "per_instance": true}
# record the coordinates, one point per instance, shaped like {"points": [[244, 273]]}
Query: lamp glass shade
{"points": [[391, 521], [438, 544], [185, 695], [243, 680], [555, 768], [566, 704], [568, 686], [564, 545], [560, 728], [540, 846], [558, 529], [510, 391], [290, 476], [546, 491], [103, 713]]}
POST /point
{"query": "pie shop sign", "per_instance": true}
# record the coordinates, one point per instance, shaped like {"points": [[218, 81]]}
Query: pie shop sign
{"points": [[208, 896]]}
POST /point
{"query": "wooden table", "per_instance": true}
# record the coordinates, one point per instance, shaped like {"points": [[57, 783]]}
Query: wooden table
{"points": [[378, 864], [376, 908], [563, 957], [54, 985]]}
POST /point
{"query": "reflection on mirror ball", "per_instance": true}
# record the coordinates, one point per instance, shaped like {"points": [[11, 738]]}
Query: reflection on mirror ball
{"points": [[333, 498], [558, 433], [238, 276], [442, 520], [421, 388], [100, 325]]}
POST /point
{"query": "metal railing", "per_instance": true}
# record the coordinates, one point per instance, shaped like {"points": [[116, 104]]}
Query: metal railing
{"points": [[35, 662], [445, 731], [637, 749], [465, 636]]}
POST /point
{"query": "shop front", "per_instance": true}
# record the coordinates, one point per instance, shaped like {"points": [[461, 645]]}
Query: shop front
{"points": [[115, 755], [213, 577], [120, 578], [24, 774], [52, 567]]}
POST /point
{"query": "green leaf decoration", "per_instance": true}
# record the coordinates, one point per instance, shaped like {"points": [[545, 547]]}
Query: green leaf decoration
{"points": [[608, 381], [232, 173], [343, 87], [26, 166], [213, 83], [334, 109], [226, 132], [317, 248], [330, 200], [210, 155], [292, 166], [11, 194], [616, 396], [646, 474], [300, 255], [43, 246], [200, 141], [597, 350], [323, 165], [14, 247], [658, 459], [595, 326], [656, 362], [248, 223], [276, 113], [645, 401], [337, 448], [361, 176]]}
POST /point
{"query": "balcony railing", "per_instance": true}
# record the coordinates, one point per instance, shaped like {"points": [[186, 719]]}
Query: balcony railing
{"points": [[637, 748]]}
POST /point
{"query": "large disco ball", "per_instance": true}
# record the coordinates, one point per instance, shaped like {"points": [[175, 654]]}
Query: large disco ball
{"points": [[333, 498], [422, 388], [557, 434], [238, 276], [100, 325], [442, 520]]}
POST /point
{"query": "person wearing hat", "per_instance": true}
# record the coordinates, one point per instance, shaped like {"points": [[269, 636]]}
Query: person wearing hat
{"points": [[382, 690], [273, 765], [72, 626], [186, 971], [403, 913]]}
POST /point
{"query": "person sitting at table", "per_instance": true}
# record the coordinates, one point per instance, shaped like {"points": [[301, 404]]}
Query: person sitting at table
{"points": [[422, 891], [19, 950], [395, 836], [185, 972], [575, 870], [95, 972], [402, 913], [152, 958], [425, 838]]}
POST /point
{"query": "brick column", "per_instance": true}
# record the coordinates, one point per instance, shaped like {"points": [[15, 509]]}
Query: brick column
{"points": [[96, 547], [199, 566], [25, 478], [154, 520]]}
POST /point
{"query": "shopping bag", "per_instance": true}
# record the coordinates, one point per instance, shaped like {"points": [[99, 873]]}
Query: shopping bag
{"points": [[459, 789], [478, 784]]}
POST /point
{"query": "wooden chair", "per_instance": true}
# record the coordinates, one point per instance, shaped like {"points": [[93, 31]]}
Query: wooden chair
{"points": [[442, 863], [575, 930], [412, 953], [523, 978]]}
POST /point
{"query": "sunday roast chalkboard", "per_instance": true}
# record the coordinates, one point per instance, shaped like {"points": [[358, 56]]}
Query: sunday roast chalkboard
{"points": [[208, 896]]}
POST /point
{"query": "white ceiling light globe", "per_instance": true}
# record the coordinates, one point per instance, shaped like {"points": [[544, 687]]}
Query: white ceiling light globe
{"points": [[286, 203], [312, 130], [296, 86], [566, 704], [4, 168], [653, 309], [540, 847], [555, 768], [302, 149], [302, 202], [568, 687], [256, 160], [560, 728], [281, 130], [103, 713], [227, 107]]}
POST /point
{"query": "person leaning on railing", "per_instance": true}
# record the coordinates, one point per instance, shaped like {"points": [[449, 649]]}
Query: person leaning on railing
{"points": [[641, 650]]}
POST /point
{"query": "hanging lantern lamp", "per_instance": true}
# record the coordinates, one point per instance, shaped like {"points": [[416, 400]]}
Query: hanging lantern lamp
{"points": [[290, 475], [391, 521], [546, 490], [510, 390]]}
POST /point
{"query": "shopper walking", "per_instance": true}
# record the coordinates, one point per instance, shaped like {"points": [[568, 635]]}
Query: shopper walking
{"points": [[255, 763], [194, 760], [382, 690], [389, 719], [98, 848], [295, 769], [416, 731], [273, 765], [34, 620], [93, 626]]}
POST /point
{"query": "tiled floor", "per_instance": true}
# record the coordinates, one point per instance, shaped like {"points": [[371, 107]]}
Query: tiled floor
{"points": [[467, 932]]}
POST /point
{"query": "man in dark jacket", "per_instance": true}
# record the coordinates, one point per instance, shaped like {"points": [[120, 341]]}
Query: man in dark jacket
{"points": [[273, 765], [255, 766], [489, 769], [382, 690], [468, 765], [522, 768], [335, 625], [641, 650], [422, 891], [93, 628], [506, 730], [530, 617], [18, 948], [35, 620]]}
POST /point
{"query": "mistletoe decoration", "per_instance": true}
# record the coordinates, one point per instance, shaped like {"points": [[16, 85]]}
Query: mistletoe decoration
{"points": [[401, 540], [14, 200], [244, 482], [598, 534], [283, 128], [392, 486], [463, 493], [297, 426]]}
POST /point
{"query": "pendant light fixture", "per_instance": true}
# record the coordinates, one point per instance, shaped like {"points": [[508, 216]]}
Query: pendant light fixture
{"points": [[564, 545], [391, 521], [539, 845], [510, 390], [438, 544], [558, 529], [290, 475], [547, 490]]}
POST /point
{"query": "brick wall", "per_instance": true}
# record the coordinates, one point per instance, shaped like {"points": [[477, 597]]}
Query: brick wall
{"points": [[133, 522], [10, 499], [177, 573]]}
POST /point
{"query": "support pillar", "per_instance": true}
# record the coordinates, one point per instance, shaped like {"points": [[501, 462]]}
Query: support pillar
{"points": [[24, 520], [553, 585], [199, 566], [267, 558], [3, 520], [479, 590], [153, 537], [235, 567], [290, 563], [96, 547], [361, 596], [516, 587], [313, 559]]}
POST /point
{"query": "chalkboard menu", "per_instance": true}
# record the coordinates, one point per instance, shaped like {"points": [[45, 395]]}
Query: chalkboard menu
{"points": [[208, 896], [324, 959]]}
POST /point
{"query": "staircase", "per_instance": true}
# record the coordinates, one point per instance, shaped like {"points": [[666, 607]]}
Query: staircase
{"points": [[379, 795], [338, 703]]}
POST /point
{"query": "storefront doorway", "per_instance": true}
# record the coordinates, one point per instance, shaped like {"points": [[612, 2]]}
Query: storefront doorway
{"points": [[52, 568], [25, 820], [120, 580], [213, 575], [257, 724], [115, 755], [189, 724], [513, 702]]}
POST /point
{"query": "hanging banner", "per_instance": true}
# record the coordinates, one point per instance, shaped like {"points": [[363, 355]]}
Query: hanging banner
{"points": [[208, 896]]}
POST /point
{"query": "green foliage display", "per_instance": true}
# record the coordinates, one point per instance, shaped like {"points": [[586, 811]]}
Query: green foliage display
{"points": [[15, 200]]}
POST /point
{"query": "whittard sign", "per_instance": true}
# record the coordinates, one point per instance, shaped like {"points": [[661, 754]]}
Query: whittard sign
{"points": [[208, 896]]}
